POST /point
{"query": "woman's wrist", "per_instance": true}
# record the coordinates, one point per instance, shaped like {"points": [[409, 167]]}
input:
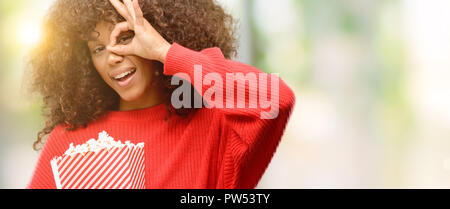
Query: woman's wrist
{"points": [[164, 50]]}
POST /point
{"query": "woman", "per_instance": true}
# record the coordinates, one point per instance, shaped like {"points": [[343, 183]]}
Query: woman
{"points": [[108, 65]]}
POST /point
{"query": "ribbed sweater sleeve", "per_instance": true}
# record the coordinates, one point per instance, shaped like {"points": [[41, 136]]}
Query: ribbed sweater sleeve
{"points": [[251, 140]]}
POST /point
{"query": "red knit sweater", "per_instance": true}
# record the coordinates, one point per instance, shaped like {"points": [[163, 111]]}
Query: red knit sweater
{"points": [[212, 148]]}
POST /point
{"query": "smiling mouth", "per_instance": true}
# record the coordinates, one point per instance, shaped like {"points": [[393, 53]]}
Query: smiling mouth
{"points": [[125, 76], [125, 79]]}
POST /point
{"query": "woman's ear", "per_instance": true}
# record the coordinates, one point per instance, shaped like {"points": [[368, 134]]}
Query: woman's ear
{"points": [[157, 80]]}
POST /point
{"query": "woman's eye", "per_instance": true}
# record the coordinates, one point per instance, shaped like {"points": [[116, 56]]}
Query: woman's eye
{"points": [[123, 39], [98, 50]]}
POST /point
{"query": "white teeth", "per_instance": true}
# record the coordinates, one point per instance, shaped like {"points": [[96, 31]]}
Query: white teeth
{"points": [[124, 74]]}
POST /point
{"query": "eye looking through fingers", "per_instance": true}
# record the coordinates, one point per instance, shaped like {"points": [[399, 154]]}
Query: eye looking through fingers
{"points": [[119, 28], [147, 43], [125, 37]]}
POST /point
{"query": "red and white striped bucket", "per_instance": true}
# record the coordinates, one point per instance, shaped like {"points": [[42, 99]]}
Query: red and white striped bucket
{"points": [[113, 167]]}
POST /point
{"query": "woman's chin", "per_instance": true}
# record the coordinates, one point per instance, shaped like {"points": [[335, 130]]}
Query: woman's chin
{"points": [[129, 97]]}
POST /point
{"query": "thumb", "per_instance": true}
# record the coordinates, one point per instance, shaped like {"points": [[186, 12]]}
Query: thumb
{"points": [[120, 49]]}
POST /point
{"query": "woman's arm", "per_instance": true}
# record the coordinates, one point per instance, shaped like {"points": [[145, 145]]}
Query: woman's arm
{"points": [[245, 90], [251, 139]]}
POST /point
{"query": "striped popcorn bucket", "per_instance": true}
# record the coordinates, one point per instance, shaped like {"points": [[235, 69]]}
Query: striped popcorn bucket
{"points": [[101, 164]]}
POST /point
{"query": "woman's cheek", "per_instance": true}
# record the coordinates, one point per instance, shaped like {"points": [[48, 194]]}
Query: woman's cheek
{"points": [[102, 73]]}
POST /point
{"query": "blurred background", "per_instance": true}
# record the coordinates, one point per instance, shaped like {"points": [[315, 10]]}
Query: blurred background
{"points": [[371, 78]]}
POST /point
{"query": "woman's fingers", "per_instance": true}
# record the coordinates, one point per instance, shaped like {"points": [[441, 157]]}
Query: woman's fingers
{"points": [[121, 9], [138, 12], [121, 49], [137, 8], [130, 9], [118, 29]]}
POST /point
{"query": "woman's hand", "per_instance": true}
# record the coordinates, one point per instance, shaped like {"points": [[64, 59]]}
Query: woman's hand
{"points": [[147, 42]]}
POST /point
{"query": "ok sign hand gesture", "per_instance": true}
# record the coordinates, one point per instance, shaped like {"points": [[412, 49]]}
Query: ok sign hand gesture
{"points": [[147, 42]]}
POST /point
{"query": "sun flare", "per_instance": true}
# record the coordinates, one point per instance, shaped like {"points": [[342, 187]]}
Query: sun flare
{"points": [[29, 34]]}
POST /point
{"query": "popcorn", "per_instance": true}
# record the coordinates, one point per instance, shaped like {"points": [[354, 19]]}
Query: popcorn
{"points": [[92, 145], [101, 163]]}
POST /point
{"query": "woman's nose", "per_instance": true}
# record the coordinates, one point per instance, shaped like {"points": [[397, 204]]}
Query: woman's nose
{"points": [[114, 59]]}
